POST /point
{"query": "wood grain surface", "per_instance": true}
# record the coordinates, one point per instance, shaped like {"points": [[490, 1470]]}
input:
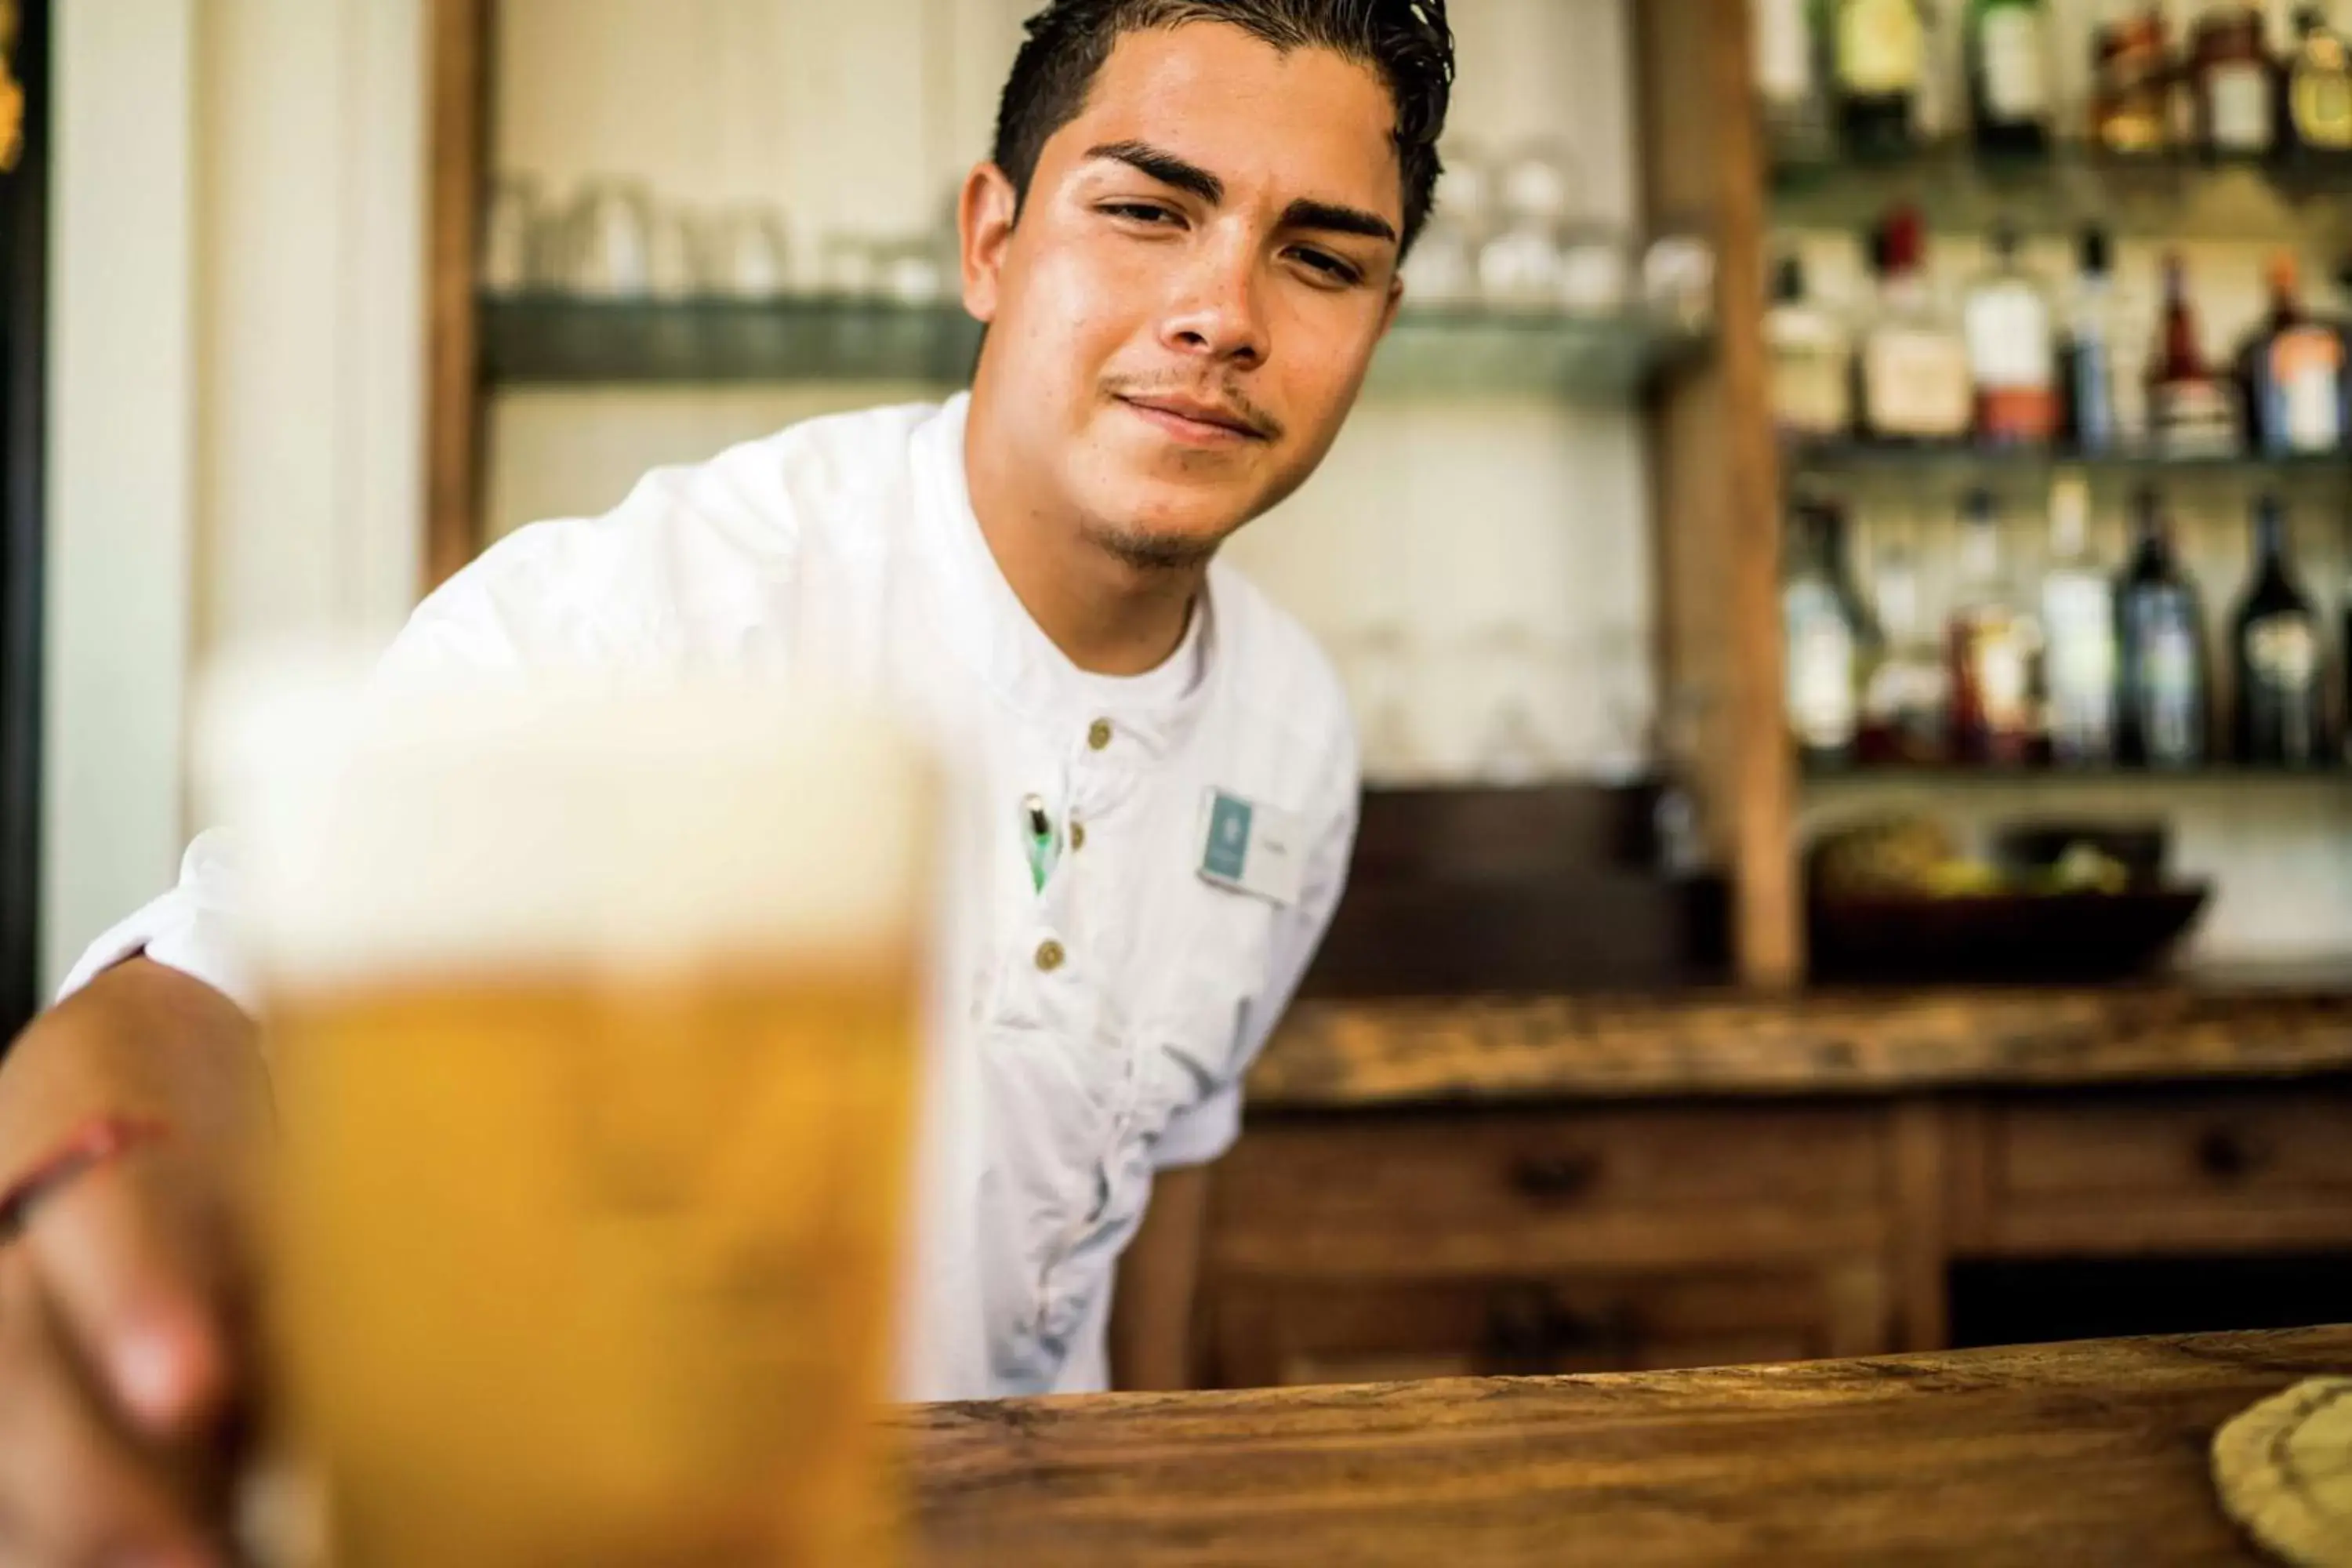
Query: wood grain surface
{"points": [[2085, 1453], [1335, 1054]]}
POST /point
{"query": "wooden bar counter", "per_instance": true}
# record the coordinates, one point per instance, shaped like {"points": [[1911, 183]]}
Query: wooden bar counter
{"points": [[2085, 1453], [1437, 1188]]}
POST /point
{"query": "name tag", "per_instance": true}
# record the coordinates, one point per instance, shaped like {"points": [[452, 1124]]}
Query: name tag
{"points": [[1251, 848]]}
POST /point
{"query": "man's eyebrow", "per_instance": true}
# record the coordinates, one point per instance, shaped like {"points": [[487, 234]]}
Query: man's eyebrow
{"points": [[1165, 167], [1307, 212]]}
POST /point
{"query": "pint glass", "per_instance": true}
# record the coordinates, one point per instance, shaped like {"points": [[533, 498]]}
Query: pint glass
{"points": [[592, 1018]]}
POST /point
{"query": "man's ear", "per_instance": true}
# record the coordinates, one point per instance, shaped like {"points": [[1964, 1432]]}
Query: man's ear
{"points": [[984, 215], [1396, 298]]}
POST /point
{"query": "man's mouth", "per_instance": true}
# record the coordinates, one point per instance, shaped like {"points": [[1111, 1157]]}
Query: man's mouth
{"points": [[1196, 422]]}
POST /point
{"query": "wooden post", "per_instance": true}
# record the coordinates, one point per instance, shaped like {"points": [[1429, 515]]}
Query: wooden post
{"points": [[1714, 473], [453, 414]]}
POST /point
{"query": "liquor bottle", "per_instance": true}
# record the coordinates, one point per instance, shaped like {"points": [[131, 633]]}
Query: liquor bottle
{"points": [[1812, 361], [1788, 82], [2190, 412], [1906, 696], [2078, 631], [2314, 100], [1823, 638], [2291, 375], [2233, 80], [1914, 366], [2131, 85], [2011, 357], [2161, 696], [2090, 367], [2274, 645], [1879, 49], [1994, 645], [2009, 77]]}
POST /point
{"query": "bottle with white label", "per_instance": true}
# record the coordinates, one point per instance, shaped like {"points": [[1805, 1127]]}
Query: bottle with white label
{"points": [[1995, 645], [1878, 54], [2292, 375], [2161, 690], [1825, 639], [2233, 80], [2009, 71], [1913, 365], [1788, 83], [2012, 352], [2078, 634], [2276, 653]]}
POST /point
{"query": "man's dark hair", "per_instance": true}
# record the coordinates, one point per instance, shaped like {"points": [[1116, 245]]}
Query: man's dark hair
{"points": [[1406, 41]]}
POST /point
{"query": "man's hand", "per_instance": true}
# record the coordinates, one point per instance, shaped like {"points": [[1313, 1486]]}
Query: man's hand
{"points": [[125, 1318]]}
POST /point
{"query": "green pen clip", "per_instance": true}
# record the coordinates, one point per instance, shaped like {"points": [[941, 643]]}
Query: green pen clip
{"points": [[1045, 843]]}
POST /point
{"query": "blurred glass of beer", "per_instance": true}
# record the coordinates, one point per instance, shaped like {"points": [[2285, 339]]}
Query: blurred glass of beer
{"points": [[592, 1016]]}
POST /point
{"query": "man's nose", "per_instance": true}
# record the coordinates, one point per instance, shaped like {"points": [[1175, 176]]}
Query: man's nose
{"points": [[1217, 313]]}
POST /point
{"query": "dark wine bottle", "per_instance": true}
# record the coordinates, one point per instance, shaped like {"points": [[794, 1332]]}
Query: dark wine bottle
{"points": [[2275, 654], [2162, 714]]}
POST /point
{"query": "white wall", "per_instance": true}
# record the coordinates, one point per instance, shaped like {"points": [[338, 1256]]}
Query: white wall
{"points": [[1453, 526], [121, 486], [235, 386]]}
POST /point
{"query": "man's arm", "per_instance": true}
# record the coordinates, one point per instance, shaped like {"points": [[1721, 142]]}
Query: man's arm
{"points": [[1151, 1308], [124, 1314]]}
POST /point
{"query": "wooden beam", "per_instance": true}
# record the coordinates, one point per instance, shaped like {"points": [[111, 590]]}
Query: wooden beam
{"points": [[1716, 474], [458, 151]]}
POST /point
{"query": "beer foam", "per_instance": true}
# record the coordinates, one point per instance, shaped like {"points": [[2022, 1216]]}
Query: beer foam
{"points": [[510, 824]]}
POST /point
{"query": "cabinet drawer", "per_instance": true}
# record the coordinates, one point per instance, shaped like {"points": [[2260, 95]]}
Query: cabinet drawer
{"points": [[2224, 1166], [1276, 1333], [1487, 1191]]}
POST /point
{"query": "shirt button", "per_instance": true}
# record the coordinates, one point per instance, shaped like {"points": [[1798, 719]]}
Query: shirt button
{"points": [[1078, 835], [1098, 734], [1050, 955]]}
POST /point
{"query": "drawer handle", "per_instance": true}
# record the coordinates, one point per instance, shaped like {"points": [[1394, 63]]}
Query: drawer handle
{"points": [[2224, 1156], [1555, 1178]]}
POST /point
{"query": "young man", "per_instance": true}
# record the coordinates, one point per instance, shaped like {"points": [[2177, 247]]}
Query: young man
{"points": [[1186, 248]]}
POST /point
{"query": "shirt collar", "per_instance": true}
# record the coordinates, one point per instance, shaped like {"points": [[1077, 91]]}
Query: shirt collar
{"points": [[1150, 715]]}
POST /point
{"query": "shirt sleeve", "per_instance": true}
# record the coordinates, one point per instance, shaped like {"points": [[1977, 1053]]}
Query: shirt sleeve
{"points": [[468, 625], [1203, 1132], [188, 928]]}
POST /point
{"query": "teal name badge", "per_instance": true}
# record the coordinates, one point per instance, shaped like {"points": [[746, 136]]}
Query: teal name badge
{"points": [[1249, 848]]}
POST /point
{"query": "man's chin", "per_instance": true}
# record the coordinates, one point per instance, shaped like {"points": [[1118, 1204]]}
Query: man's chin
{"points": [[1153, 547]]}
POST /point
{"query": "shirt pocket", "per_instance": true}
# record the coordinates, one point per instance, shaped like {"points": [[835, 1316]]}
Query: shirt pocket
{"points": [[1210, 1000]]}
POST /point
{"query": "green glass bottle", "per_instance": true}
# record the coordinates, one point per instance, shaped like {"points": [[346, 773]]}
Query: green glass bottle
{"points": [[2009, 71]]}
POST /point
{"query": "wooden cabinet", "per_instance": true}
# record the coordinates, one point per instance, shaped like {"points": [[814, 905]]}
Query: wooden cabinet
{"points": [[1400, 1244], [1277, 1332], [2220, 1169], [1365, 1246]]}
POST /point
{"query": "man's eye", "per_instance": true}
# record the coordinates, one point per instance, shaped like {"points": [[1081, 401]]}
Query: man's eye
{"points": [[1141, 212], [1329, 266]]}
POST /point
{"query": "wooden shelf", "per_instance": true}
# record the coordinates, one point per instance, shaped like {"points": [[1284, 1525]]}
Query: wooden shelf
{"points": [[2172, 197], [2231, 775], [1902, 464], [557, 339]]}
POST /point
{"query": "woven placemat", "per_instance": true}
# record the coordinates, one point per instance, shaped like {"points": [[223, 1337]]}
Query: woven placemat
{"points": [[2285, 1471]]}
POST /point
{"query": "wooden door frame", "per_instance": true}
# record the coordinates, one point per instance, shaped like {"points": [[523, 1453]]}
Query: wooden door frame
{"points": [[459, 152]]}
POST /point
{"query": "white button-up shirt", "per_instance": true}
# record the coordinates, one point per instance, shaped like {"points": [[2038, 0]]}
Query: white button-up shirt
{"points": [[1092, 1031]]}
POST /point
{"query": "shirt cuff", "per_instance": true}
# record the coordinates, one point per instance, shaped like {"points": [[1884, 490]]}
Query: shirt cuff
{"points": [[1200, 1133], [188, 928]]}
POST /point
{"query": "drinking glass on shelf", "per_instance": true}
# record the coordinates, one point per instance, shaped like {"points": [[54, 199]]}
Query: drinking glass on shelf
{"points": [[516, 232], [1521, 266], [748, 252], [1513, 750], [1442, 270], [1678, 280], [677, 264], [908, 270], [611, 240], [1379, 660]]}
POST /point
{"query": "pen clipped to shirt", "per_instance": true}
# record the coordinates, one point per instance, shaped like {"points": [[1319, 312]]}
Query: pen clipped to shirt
{"points": [[1043, 841]]}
